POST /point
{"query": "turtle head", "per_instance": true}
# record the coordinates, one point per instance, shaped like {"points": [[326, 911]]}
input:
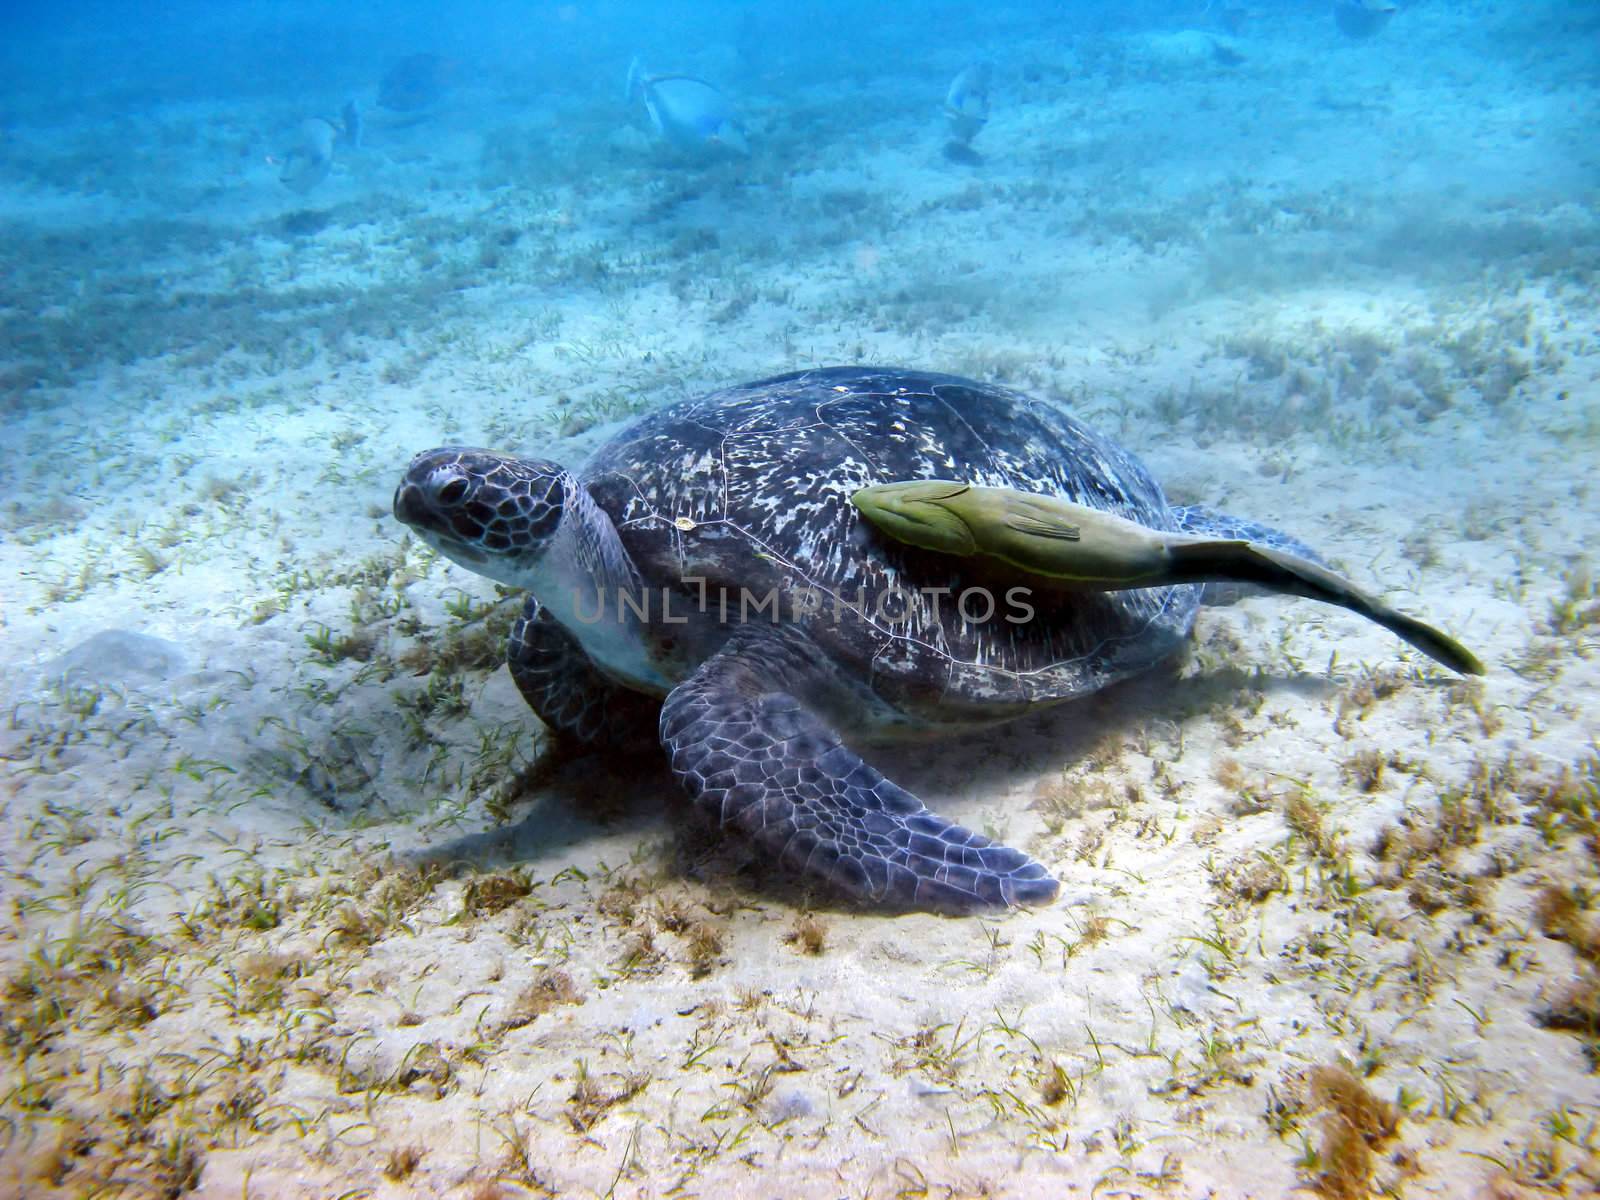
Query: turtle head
{"points": [[492, 514], [919, 512]]}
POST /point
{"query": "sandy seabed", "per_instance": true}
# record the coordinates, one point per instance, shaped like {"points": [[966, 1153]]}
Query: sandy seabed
{"points": [[297, 907]]}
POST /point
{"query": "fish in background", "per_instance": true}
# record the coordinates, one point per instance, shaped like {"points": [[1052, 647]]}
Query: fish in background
{"points": [[966, 111], [752, 41], [353, 127], [1362, 18], [687, 112], [1225, 54], [308, 162], [415, 83]]}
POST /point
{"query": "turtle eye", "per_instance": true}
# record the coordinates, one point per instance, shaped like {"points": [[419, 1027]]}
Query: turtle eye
{"points": [[453, 492]]}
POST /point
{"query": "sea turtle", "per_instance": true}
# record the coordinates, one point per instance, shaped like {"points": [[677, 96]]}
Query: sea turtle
{"points": [[706, 576]]}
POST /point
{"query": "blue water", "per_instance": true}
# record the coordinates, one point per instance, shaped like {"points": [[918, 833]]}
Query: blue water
{"points": [[1444, 145]]}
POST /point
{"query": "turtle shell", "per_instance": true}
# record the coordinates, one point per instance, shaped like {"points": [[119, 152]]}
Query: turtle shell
{"points": [[740, 501]]}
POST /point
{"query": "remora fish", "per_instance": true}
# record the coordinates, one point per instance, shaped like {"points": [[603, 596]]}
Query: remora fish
{"points": [[1059, 543]]}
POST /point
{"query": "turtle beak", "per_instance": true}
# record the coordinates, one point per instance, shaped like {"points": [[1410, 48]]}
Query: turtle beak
{"points": [[408, 509], [411, 509]]}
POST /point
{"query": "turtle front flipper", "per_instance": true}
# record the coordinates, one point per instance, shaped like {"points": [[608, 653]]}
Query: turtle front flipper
{"points": [[755, 757], [559, 683]]}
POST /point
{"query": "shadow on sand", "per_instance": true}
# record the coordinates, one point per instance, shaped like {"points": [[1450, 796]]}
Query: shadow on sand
{"points": [[578, 797]]}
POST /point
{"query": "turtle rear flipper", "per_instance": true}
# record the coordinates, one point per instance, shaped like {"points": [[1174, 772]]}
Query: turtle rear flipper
{"points": [[1291, 575], [1247, 552], [757, 759], [1202, 520]]}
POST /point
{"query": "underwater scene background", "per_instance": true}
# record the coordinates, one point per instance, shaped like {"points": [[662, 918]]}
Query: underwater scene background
{"points": [[298, 900]]}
